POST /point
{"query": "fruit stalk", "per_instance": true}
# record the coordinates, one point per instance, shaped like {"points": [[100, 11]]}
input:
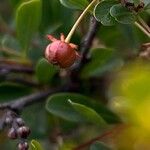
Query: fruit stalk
{"points": [[68, 38]]}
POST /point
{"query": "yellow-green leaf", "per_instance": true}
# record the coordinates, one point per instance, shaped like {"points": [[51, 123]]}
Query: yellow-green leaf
{"points": [[35, 145]]}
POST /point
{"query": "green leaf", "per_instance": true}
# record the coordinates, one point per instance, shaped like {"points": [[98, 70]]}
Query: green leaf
{"points": [[99, 146], [75, 4], [99, 63], [14, 90], [35, 145], [45, 71], [28, 16], [88, 113], [14, 3], [58, 105], [102, 12], [122, 14]]}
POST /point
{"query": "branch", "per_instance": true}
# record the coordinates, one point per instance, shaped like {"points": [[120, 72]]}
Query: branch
{"points": [[86, 44], [88, 143], [87, 41], [16, 68], [140, 26], [22, 81], [144, 24], [20, 103]]}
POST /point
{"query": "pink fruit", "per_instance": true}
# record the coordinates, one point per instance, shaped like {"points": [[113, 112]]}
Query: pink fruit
{"points": [[61, 53]]}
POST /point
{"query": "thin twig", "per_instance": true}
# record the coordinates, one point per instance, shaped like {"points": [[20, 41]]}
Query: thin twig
{"points": [[112, 132], [22, 81], [17, 68], [88, 143], [144, 24], [22, 102], [142, 29]]}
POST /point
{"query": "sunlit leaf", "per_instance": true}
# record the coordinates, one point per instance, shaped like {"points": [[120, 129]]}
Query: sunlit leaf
{"points": [[35, 145]]}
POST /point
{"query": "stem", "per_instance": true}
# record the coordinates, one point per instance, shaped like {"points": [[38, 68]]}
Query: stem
{"points": [[87, 144], [142, 29], [86, 44], [67, 40], [144, 24], [22, 102]]}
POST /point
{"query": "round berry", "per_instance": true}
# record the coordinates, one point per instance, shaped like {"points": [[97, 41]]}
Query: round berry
{"points": [[23, 132], [23, 146], [8, 120], [12, 133]]}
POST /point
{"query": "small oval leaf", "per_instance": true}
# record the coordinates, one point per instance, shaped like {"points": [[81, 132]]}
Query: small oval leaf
{"points": [[122, 14], [102, 12]]}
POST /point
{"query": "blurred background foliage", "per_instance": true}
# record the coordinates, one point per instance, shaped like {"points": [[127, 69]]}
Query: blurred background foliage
{"points": [[101, 103]]}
